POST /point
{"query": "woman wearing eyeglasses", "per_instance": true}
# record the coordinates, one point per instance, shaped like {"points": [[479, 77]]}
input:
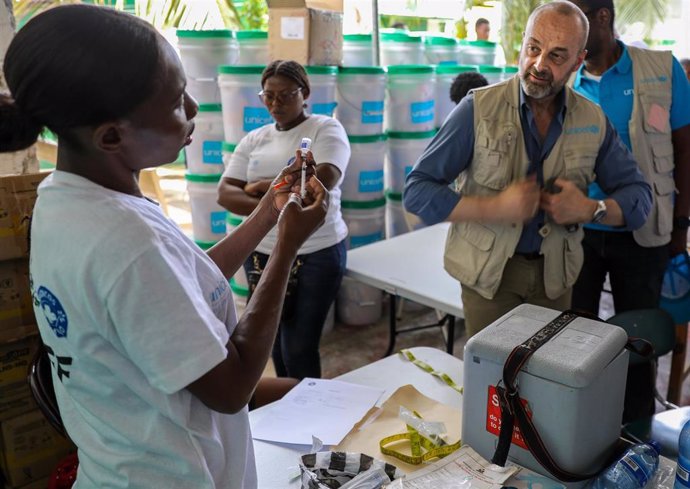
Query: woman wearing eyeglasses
{"points": [[318, 270]]}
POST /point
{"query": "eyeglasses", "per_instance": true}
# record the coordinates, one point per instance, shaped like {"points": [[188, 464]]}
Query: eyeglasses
{"points": [[281, 98]]}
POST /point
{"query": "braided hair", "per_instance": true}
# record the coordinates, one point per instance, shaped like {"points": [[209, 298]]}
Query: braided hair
{"points": [[289, 69]]}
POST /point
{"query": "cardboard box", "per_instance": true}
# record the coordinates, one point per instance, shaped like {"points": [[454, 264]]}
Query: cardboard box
{"points": [[30, 448], [17, 199], [307, 31], [38, 484], [15, 358], [16, 306], [16, 399]]}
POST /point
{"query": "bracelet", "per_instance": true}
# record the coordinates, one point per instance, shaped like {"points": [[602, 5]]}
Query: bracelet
{"points": [[681, 222]]}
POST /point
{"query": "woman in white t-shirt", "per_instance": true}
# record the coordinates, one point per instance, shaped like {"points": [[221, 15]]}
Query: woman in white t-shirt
{"points": [[320, 264], [151, 368]]}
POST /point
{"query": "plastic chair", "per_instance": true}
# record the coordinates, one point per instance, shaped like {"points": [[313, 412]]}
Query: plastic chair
{"points": [[41, 384], [657, 327]]}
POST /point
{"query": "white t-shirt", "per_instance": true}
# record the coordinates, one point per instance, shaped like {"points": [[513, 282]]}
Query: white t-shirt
{"points": [[265, 151], [134, 312]]}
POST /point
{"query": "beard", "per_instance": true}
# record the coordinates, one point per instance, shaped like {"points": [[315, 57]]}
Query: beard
{"points": [[536, 91]]}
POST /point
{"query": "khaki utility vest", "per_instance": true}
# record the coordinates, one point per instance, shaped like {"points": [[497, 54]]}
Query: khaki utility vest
{"points": [[476, 252], [650, 136]]}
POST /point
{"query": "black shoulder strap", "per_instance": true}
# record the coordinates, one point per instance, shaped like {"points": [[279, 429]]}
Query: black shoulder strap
{"points": [[512, 408]]}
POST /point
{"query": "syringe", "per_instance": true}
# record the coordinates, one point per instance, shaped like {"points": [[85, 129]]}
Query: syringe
{"points": [[304, 147]]}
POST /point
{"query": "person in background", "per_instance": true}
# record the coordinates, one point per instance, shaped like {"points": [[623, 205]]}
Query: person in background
{"points": [[685, 62], [646, 96], [399, 25], [465, 82], [318, 270], [151, 368], [482, 28], [522, 153]]}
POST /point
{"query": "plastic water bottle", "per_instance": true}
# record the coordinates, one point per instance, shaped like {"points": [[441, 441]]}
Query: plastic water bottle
{"points": [[683, 468], [633, 470]]}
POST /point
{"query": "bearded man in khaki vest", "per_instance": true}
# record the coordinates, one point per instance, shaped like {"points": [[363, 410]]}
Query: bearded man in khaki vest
{"points": [[522, 153]]}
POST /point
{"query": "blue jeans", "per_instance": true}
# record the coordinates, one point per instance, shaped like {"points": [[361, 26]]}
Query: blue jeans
{"points": [[636, 274], [312, 287]]}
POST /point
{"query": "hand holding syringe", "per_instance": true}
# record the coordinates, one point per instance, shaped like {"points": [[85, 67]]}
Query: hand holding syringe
{"points": [[305, 147]]}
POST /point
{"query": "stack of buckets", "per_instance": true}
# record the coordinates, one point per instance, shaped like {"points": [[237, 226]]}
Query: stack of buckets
{"points": [[360, 96]]}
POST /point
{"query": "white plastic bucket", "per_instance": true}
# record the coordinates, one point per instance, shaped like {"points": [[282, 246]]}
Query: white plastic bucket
{"points": [[410, 104], [358, 50], [364, 176], [441, 50], [205, 154], [445, 74], [399, 48], [208, 217], [493, 74], [240, 277], [477, 52], [228, 150], [322, 80], [243, 110], [360, 95], [204, 91], [358, 304], [365, 221], [509, 72], [404, 148], [253, 48], [201, 52], [398, 220]]}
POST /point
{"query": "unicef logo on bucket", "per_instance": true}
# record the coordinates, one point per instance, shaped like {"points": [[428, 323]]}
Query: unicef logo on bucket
{"points": [[212, 152], [324, 109], [421, 112], [371, 181], [218, 222], [53, 311], [254, 117], [372, 112]]}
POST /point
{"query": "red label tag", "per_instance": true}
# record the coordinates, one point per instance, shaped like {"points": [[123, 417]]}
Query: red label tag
{"points": [[493, 418]]}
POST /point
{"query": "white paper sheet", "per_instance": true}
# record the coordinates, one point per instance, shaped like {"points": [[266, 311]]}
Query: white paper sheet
{"points": [[326, 409]]}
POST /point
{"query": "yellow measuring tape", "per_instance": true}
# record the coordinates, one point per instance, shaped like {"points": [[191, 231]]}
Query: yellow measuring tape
{"points": [[417, 443], [428, 368]]}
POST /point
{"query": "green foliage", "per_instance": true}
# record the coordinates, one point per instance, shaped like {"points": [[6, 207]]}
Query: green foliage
{"points": [[254, 15], [515, 15], [648, 12], [412, 23]]}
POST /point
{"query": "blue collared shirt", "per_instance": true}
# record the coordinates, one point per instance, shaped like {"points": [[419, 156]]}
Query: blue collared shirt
{"points": [[427, 192], [614, 93]]}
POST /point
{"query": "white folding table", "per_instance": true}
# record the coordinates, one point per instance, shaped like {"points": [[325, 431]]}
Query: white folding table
{"points": [[275, 462], [410, 266]]}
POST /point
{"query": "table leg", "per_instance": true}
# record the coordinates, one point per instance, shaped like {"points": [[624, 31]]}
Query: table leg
{"points": [[675, 381], [391, 326], [451, 334]]}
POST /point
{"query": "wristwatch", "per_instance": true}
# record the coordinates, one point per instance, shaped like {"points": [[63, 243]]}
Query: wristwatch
{"points": [[681, 222], [599, 212]]}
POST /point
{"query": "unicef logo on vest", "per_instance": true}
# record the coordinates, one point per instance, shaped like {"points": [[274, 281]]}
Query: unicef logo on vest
{"points": [[593, 129], [53, 311]]}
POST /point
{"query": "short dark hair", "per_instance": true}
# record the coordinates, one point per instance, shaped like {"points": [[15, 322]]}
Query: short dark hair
{"points": [[592, 5], [685, 61], [289, 69], [75, 66], [480, 21], [465, 82]]}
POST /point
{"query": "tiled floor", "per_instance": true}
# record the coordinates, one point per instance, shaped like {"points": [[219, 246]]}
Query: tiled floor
{"points": [[349, 347]]}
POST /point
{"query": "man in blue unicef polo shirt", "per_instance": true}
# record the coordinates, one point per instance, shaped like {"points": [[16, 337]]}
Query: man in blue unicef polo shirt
{"points": [[521, 154], [646, 96]]}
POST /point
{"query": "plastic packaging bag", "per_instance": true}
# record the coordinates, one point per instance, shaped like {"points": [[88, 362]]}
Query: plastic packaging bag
{"points": [[346, 470]]}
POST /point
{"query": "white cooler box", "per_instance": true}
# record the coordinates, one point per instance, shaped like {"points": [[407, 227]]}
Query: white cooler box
{"points": [[574, 386]]}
